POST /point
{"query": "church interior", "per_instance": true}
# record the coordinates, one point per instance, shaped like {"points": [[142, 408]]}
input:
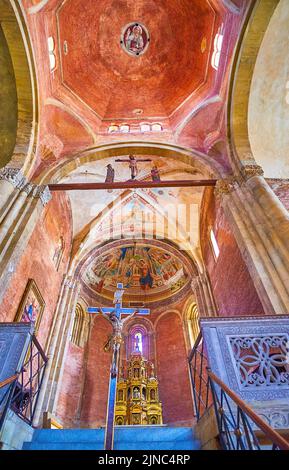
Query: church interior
{"points": [[144, 225]]}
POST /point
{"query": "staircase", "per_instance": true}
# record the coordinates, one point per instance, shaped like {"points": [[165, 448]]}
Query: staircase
{"points": [[125, 438]]}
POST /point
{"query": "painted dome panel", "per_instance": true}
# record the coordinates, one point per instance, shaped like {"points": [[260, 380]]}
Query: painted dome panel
{"points": [[147, 272]]}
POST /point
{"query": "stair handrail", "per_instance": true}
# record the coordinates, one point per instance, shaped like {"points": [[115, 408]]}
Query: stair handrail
{"points": [[23, 387], [9, 380], [230, 420], [269, 432]]}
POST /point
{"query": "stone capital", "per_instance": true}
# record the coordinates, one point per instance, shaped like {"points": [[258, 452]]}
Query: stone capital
{"points": [[251, 169], [69, 283], [225, 186], [14, 176], [195, 283], [43, 193], [28, 188]]}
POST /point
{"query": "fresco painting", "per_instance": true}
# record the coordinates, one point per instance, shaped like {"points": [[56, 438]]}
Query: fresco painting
{"points": [[139, 268]]}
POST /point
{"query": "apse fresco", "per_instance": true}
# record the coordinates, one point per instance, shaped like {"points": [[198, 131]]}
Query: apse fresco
{"points": [[141, 269]]}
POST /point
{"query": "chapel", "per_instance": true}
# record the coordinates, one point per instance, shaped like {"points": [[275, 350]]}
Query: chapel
{"points": [[144, 225]]}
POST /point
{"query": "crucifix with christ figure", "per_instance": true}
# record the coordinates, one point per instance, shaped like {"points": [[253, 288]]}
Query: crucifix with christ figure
{"points": [[114, 316], [133, 162]]}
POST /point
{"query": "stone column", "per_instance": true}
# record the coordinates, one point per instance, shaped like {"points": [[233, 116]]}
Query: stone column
{"points": [[21, 206], [55, 351], [260, 224], [11, 180], [54, 339], [64, 348], [204, 296]]}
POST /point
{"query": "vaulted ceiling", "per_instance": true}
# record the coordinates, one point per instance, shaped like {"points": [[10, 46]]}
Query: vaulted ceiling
{"points": [[180, 81], [173, 67], [89, 82]]}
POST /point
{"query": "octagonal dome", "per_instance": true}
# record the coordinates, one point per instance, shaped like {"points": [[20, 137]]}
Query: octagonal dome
{"points": [[113, 83]]}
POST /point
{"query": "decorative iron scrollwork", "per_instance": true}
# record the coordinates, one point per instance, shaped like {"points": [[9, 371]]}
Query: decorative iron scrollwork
{"points": [[261, 361]]}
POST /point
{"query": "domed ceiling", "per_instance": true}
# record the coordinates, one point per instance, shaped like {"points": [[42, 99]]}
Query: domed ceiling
{"points": [[131, 70], [117, 83], [148, 272]]}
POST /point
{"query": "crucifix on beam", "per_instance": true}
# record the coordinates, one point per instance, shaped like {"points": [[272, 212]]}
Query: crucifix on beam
{"points": [[114, 316], [133, 164]]}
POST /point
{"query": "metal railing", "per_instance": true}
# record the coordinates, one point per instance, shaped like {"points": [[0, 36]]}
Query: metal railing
{"points": [[20, 392], [239, 427]]}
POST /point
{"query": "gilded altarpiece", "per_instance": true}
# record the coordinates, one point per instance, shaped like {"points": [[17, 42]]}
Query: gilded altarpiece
{"points": [[137, 399]]}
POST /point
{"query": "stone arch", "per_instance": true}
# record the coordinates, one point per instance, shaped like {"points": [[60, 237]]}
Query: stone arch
{"points": [[251, 37], [21, 124], [81, 324], [268, 113], [206, 165], [192, 323]]}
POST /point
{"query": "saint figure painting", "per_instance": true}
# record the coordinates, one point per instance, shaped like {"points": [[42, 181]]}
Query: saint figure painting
{"points": [[31, 307], [135, 39]]}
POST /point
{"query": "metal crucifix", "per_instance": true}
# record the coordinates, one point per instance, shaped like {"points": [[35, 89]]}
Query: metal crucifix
{"points": [[114, 316], [133, 164]]}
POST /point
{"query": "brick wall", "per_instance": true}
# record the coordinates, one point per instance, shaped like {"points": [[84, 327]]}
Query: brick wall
{"points": [[172, 370], [37, 263], [232, 285], [97, 369]]}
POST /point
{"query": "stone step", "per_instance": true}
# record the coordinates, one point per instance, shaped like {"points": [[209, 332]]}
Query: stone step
{"points": [[154, 445], [148, 434], [126, 438], [68, 435], [157, 445], [62, 446], [125, 433]]}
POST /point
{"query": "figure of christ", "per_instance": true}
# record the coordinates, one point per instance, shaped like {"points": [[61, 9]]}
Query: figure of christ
{"points": [[115, 339], [133, 164]]}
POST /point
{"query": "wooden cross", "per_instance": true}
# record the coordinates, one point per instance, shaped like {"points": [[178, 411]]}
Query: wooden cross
{"points": [[114, 316], [133, 164]]}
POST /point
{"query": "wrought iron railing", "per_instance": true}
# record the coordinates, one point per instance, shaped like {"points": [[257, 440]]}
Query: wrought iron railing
{"points": [[20, 392], [239, 427]]}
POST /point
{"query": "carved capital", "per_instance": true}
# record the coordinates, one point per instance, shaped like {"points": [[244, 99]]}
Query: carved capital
{"points": [[225, 186], [203, 278], [195, 283], [43, 193], [14, 176], [251, 169], [28, 188]]}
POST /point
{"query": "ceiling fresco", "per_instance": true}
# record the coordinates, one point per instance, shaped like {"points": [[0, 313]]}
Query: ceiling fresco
{"points": [[117, 82], [96, 73], [144, 271], [151, 78], [149, 272]]}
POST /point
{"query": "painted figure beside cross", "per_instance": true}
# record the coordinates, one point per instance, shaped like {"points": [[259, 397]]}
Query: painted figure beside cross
{"points": [[133, 164], [114, 316]]}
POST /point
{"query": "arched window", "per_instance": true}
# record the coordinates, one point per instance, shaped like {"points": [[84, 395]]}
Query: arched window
{"points": [[124, 128], [145, 127], [193, 324], [157, 127], [52, 57], [80, 329], [218, 42], [113, 128], [137, 341], [138, 347], [214, 244]]}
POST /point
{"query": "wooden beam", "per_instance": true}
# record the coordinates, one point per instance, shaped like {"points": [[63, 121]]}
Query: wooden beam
{"points": [[132, 184]]}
